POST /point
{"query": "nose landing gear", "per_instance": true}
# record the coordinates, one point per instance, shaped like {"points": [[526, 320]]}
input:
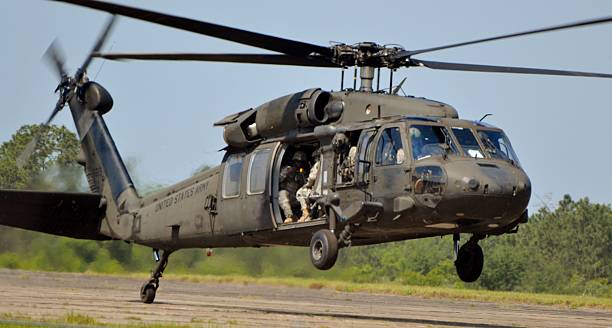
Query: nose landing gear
{"points": [[149, 288], [469, 259]]}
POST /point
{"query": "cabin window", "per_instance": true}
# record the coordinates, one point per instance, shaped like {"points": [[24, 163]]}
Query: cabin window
{"points": [[390, 150], [231, 176], [468, 142], [257, 171]]}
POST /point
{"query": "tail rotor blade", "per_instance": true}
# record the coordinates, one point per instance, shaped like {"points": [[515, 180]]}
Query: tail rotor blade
{"points": [[29, 149], [98, 45], [58, 107], [54, 56], [27, 152]]}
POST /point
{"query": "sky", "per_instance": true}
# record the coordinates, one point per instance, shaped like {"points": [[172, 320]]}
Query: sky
{"points": [[164, 111]]}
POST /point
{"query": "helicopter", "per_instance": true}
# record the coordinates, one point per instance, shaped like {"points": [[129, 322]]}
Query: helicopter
{"points": [[385, 167]]}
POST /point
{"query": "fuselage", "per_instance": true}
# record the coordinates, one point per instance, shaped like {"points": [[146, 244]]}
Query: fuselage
{"points": [[427, 172]]}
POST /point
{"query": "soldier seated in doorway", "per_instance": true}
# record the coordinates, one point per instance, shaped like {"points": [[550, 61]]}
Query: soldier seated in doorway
{"points": [[292, 176], [308, 189]]}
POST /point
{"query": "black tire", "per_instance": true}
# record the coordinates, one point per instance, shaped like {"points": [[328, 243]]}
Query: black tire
{"points": [[323, 249], [470, 261], [147, 293]]}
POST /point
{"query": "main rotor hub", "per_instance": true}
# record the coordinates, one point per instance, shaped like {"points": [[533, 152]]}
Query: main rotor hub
{"points": [[366, 54]]}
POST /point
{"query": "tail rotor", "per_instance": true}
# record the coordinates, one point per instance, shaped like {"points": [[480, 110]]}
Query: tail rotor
{"points": [[66, 86]]}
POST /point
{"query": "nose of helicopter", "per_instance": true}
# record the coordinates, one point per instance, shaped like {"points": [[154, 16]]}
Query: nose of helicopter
{"points": [[485, 190]]}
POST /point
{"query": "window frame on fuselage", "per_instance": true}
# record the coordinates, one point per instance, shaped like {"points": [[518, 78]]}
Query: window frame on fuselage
{"points": [[458, 149], [227, 175], [473, 131], [379, 152], [514, 160], [262, 171]]}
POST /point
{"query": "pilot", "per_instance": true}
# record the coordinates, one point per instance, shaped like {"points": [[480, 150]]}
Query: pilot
{"points": [[307, 189], [291, 178], [416, 139]]}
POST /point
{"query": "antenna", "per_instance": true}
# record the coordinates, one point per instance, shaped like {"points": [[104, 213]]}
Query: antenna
{"points": [[485, 116], [398, 87], [103, 62]]}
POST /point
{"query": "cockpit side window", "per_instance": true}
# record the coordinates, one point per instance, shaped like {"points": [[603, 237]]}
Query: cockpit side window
{"points": [[232, 176], [468, 142], [363, 166], [430, 140], [390, 150], [497, 145]]}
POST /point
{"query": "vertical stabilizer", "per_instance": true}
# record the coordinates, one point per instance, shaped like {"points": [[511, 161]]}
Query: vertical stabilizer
{"points": [[104, 167]]}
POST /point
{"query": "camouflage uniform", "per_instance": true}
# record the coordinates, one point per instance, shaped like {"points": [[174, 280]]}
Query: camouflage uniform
{"points": [[291, 178], [348, 165], [307, 189]]}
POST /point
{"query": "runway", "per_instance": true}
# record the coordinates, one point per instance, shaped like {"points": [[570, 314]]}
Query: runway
{"points": [[116, 300]]}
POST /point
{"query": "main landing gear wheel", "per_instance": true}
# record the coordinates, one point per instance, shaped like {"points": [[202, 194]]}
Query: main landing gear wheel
{"points": [[470, 260], [323, 249]]}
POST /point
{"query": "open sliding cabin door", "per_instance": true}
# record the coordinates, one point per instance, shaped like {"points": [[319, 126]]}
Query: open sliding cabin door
{"points": [[281, 159]]}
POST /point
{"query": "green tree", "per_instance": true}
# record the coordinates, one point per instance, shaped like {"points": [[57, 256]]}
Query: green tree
{"points": [[56, 148]]}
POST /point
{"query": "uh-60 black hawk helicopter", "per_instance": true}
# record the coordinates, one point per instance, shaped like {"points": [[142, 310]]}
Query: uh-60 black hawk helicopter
{"points": [[382, 167]]}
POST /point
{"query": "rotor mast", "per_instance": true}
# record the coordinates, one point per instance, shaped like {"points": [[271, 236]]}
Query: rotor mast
{"points": [[366, 75]]}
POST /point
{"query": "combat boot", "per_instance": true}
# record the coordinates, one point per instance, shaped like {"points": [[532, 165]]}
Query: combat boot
{"points": [[305, 215], [289, 219]]}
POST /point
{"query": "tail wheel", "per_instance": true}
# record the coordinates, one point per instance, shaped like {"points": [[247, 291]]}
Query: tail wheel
{"points": [[147, 293], [470, 261], [323, 249]]}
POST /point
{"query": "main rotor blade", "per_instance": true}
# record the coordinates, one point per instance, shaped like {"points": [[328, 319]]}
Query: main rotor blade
{"points": [[286, 46], [272, 59], [500, 69], [512, 35], [56, 59], [99, 43]]}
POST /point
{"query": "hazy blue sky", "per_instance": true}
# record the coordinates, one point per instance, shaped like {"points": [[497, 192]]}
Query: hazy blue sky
{"points": [[163, 115]]}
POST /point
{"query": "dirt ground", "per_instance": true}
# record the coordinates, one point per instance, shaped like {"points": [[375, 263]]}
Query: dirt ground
{"points": [[116, 300]]}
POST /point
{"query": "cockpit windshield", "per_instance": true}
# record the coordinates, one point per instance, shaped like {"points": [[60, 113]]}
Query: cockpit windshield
{"points": [[497, 145], [468, 142], [429, 140]]}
